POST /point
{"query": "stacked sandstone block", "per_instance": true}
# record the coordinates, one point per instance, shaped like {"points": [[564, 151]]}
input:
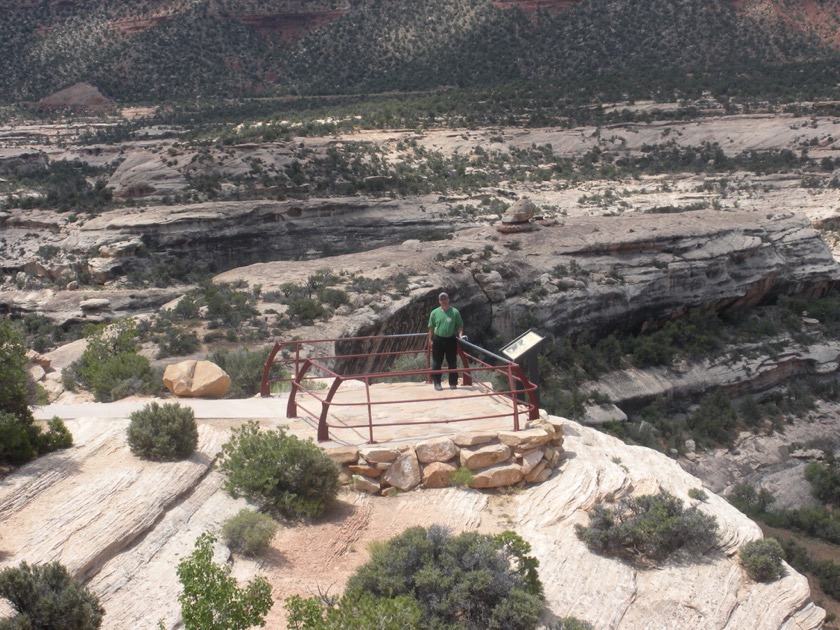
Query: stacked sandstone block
{"points": [[496, 459]]}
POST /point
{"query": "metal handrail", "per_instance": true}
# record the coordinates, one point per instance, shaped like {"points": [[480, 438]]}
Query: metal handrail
{"points": [[518, 383]]}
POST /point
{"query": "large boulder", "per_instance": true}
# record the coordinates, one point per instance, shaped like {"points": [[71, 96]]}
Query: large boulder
{"points": [[405, 474], [197, 379]]}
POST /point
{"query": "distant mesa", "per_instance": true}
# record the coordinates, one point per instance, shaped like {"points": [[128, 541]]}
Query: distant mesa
{"points": [[80, 97]]}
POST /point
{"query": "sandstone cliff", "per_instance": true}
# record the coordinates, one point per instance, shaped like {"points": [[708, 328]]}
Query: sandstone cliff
{"points": [[122, 525], [595, 274]]}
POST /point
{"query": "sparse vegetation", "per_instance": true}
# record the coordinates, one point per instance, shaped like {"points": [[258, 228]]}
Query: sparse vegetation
{"points": [[648, 528], [824, 478], [249, 532], [245, 368], [283, 473], [211, 598], [698, 494], [820, 523], [762, 559], [110, 367], [21, 439], [163, 432], [428, 578], [353, 611], [462, 477], [47, 596]]}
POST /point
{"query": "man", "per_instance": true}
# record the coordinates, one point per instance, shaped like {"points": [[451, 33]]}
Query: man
{"points": [[445, 328]]}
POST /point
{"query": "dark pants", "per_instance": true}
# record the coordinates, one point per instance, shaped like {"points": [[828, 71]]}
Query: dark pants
{"points": [[445, 347]]}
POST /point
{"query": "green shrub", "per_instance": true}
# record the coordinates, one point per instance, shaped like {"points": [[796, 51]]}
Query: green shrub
{"points": [[824, 478], [649, 527], [21, 441], [333, 297], [211, 599], [57, 437], [14, 395], [245, 368], [354, 611], [47, 596], [762, 559], [828, 573], [163, 433], [818, 522], [714, 421], [177, 342], [249, 532], [226, 304], [698, 494], [282, 472], [20, 438], [469, 581], [462, 477], [750, 501], [570, 623], [305, 310], [110, 366]]}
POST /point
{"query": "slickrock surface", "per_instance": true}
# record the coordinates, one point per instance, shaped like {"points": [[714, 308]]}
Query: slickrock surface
{"points": [[688, 592], [123, 524]]}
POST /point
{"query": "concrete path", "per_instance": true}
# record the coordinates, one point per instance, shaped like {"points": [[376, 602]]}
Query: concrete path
{"points": [[420, 411]]}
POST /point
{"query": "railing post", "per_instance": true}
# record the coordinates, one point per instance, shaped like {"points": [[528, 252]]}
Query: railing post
{"points": [[428, 359], [291, 405], [528, 387], [323, 425], [370, 412], [513, 398], [467, 373], [265, 390]]}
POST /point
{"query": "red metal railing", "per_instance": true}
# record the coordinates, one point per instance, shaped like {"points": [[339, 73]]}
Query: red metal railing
{"points": [[289, 355]]}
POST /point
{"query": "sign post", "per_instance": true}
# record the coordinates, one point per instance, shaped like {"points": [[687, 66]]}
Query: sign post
{"points": [[523, 350]]}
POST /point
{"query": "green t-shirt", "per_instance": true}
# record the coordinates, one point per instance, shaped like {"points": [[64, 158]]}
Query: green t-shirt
{"points": [[446, 324]]}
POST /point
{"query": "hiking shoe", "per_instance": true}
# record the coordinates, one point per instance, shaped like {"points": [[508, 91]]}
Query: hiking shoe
{"points": [[438, 387], [453, 387]]}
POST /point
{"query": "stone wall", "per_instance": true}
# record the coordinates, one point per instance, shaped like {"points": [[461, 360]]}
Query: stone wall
{"points": [[494, 458]]}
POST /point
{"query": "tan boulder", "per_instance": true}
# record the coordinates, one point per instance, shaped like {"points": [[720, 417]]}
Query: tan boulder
{"points": [[475, 438], [38, 359], [36, 372], [484, 456], [553, 455], [367, 471], [365, 484], [197, 379], [405, 472], [440, 449], [520, 212], [527, 437], [497, 476], [438, 475], [378, 455], [539, 474], [530, 460], [343, 454], [94, 304]]}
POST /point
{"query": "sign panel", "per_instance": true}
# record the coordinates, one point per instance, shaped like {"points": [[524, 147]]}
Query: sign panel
{"points": [[522, 345]]}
